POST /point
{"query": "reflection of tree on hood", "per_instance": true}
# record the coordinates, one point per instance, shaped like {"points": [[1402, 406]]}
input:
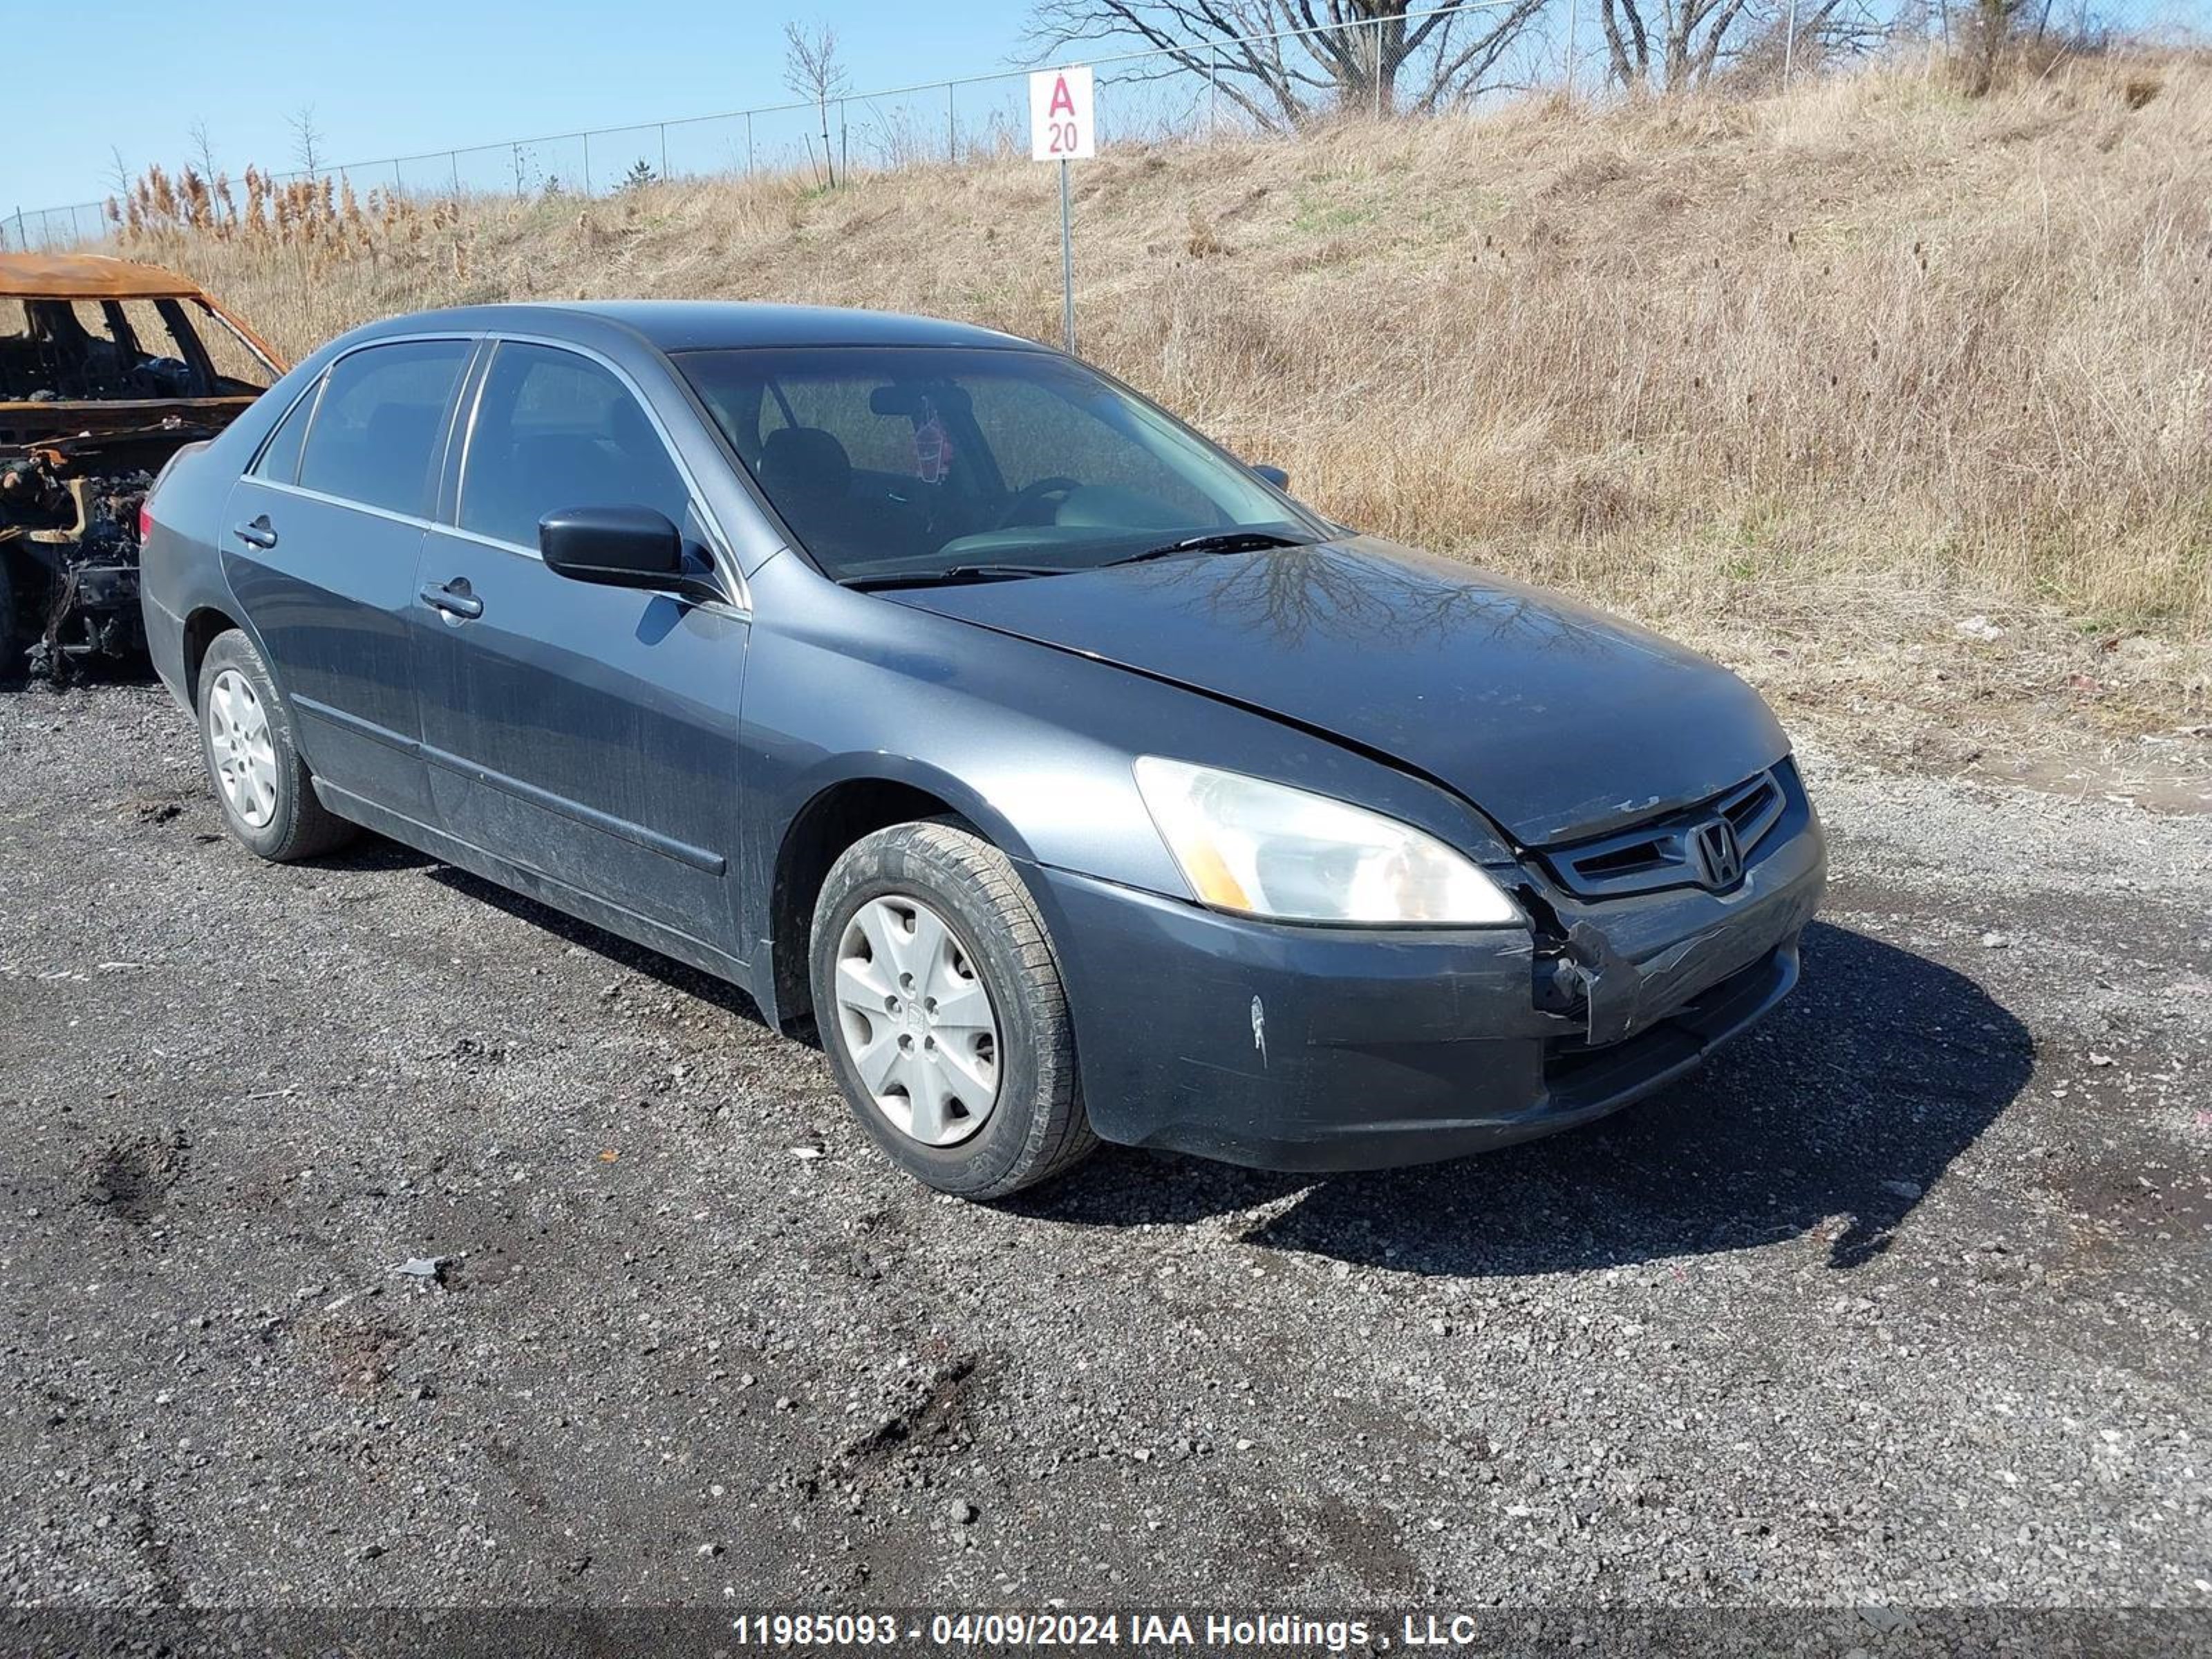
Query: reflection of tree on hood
{"points": [[1332, 590]]}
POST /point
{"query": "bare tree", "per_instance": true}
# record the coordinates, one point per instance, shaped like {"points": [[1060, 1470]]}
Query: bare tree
{"points": [[118, 172], [811, 71], [203, 149], [1283, 62], [1669, 43], [306, 139]]}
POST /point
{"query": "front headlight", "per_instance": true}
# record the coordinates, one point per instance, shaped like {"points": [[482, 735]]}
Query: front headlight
{"points": [[1266, 849]]}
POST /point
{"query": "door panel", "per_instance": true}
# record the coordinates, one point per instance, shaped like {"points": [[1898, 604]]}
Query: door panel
{"points": [[586, 734], [320, 544], [333, 601]]}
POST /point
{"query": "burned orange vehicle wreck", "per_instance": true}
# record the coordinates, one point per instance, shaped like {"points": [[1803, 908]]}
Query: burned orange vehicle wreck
{"points": [[107, 368]]}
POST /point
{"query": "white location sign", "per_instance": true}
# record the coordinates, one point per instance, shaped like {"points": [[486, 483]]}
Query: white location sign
{"points": [[1060, 110]]}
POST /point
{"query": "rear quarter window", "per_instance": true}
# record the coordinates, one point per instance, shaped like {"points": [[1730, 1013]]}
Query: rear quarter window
{"points": [[378, 428], [237, 366], [279, 457]]}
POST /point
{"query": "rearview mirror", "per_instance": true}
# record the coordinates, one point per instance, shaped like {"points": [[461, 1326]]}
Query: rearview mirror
{"points": [[618, 547], [1273, 475], [914, 401]]}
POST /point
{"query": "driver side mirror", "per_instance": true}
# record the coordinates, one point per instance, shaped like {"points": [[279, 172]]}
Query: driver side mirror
{"points": [[619, 547], [1273, 475]]}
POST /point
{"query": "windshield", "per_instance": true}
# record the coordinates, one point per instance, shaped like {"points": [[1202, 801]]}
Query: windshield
{"points": [[101, 350], [892, 463]]}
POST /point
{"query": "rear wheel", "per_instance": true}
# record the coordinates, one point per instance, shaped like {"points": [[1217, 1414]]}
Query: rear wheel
{"points": [[246, 740], [940, 1006]]}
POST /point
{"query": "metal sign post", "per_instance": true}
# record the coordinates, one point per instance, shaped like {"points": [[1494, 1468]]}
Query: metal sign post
{"points": [[1066, 267], [1061, 130]]}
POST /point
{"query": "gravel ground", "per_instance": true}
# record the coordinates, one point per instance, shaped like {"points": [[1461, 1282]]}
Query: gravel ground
{"points": [[1902, 1300]]}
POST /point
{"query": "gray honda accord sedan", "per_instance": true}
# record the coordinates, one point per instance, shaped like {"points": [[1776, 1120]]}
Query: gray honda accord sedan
{"points": [[1066, 775]]}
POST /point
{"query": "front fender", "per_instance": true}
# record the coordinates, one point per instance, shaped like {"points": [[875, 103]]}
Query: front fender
{"points": [[1034, 744], [810, 787]]}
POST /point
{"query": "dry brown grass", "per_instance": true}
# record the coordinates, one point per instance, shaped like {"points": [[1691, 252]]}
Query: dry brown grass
{"points": [[1870, 355]]}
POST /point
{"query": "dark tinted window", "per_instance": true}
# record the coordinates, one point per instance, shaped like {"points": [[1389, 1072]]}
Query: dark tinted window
{"points": [[376, 431], [280, 461], [553, 430]]}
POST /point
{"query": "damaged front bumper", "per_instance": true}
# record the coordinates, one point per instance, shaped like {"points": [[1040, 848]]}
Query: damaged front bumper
{"points": [[1309, 1048]]}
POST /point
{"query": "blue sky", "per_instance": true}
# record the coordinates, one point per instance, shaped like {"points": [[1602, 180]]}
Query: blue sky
{"points": [[404, 76], [400, 76]]}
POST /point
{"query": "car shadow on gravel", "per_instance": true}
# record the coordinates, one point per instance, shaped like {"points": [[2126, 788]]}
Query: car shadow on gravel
{"points": [[1826, 1122], [617, 952], [373, 852]]}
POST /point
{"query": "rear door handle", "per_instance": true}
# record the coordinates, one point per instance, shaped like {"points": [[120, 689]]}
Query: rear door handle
{"points": [[256, 532], [454, 597]]}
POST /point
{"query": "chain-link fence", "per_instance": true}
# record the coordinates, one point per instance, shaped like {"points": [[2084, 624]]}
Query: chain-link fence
{"points": [[1445, 59]]}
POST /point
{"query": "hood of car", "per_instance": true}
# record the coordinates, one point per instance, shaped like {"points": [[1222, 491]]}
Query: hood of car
{"points": [[1556, 721]]}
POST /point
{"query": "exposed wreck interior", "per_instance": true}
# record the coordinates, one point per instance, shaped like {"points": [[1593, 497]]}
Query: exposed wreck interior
{"points": [[103, 377]]}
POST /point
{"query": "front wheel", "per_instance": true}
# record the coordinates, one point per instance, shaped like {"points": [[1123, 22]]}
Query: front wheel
{"points": [[940, 1006]]}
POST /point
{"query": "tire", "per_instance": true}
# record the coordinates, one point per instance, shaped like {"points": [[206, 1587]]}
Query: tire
{"points": [[268, 806], [1033, 1127]]}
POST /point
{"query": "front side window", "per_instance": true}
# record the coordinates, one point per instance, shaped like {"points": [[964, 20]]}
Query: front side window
{"points": [[904, 462], [556, 430], [377, 431]]}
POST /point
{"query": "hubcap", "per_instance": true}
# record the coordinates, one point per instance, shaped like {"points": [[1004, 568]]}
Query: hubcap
{"points": [[238, 740], [916, 1021]]}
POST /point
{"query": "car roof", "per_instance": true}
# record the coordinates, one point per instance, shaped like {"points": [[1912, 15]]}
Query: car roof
{"points": [[709, 324], [89, 276]]}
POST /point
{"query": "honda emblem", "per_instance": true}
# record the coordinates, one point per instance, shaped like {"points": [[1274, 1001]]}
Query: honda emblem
{"points": [[1717, 853]]}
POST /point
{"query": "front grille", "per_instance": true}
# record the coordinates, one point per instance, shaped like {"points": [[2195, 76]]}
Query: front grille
{"points": [[1662, 853]]}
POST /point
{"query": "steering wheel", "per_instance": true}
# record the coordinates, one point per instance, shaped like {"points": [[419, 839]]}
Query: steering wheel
{"points": [[1031, 496]]}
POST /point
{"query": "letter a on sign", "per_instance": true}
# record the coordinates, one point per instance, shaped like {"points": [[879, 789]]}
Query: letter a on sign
{"points": [[1060, 115]]}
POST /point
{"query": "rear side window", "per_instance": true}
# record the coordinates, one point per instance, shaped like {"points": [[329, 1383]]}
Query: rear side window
{"points": [[374, 438], [554, 430], [280, 461]]}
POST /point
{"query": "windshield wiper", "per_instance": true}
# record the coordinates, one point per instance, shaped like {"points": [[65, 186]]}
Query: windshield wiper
{"points": [[953, 576], [1217, 541]]}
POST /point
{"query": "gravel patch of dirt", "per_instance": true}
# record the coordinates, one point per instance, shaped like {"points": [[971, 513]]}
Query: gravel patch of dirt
{"points": [[1902, 1300]]}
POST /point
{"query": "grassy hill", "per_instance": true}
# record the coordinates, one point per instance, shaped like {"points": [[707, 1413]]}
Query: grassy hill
{"points": [[1811, 376]]}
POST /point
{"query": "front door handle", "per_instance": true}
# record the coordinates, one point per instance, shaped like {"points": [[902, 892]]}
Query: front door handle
{"points": [[454, 597], [256, 532]]}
